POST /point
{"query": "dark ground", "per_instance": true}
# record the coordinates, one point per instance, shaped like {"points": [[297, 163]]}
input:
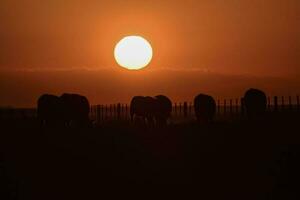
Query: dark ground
{"points": [[224, 160]]}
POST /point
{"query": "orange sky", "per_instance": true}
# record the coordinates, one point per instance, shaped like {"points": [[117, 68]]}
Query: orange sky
{"points": [[195, 43]]}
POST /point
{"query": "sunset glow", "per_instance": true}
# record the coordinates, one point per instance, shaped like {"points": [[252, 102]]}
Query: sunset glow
{"points": [[112, 50], [133, 52]]}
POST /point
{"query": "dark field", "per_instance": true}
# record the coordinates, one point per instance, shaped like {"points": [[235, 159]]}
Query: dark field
{"points": [[237, 159]]}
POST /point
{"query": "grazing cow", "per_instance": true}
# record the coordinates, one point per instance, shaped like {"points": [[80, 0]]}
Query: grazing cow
{"points": [[205, 107], [163, 109], [68, 109], [255, 103], [49, 109], [143, 108], [76, 109], [137, 107], [151, 110]]}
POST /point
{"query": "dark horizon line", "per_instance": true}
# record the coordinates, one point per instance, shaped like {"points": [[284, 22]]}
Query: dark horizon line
{"points": [[293, 100]]}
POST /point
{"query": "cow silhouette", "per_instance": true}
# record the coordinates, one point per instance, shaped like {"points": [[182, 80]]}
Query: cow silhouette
{"points": [[205, 108], [151, 110], [143, 109], [75, 110], [66, 110], [137, 107], [163, 109], [255, 102], [49, 110]]}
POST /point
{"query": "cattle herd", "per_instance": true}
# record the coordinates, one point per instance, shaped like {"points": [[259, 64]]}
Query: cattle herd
{"points": [[66, 110], [151, 110], [73, 109]]}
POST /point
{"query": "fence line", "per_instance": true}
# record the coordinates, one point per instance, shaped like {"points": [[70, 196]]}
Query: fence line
{"points": [[225, 108]]}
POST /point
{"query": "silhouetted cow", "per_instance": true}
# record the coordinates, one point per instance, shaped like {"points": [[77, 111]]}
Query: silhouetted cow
{"points": [[205, 107], [143, 108], [151, 110], [75, 110], [163, 109], [49, 110], [137, 107], [255, 102]]}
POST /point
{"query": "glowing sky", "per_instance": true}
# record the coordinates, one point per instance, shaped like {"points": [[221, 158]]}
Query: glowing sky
{"points": [[233, 38]]}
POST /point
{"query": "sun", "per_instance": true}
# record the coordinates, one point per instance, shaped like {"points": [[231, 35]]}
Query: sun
{"points": [[133, 52]]}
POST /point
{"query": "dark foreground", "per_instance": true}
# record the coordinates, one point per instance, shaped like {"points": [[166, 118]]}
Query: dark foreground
{"points": [[223, 160]]}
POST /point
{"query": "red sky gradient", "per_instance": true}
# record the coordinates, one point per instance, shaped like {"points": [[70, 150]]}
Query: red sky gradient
{"points": [[214, 46]]}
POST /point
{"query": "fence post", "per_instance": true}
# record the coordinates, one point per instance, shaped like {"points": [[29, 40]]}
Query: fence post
{"points": [[218, 107], [282, 103], [115, 111], [126, 111], [95, 111], [92, 114], [175, 109], [98, 113], [298, 103], [242, 107], [180, 107], [275, 103], [185, 109], [237, 106], [123, 111], [111, 111], [102, 112], [290, 103], [190, 108], [230, 108], [119, 111], [224, 107]]}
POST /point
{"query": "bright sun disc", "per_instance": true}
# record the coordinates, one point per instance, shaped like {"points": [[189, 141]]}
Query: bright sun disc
{"points": [[133, 52]]}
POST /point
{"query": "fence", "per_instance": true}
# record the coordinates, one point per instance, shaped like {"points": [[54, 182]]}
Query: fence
{"points": [[184, 111], [17, 113], [181, 111]]}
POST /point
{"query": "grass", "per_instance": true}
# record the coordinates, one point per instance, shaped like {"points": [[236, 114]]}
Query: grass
{"points": [[224, 159]]}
